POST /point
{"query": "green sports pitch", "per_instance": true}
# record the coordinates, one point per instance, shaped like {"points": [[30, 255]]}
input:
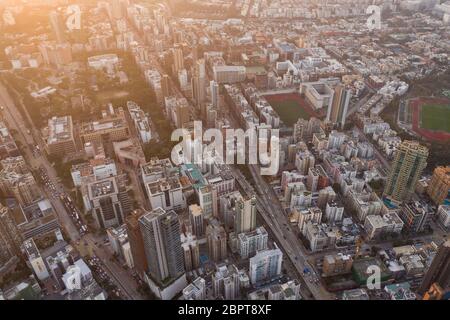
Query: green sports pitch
{"points": [[435, 117], [289, 111]]}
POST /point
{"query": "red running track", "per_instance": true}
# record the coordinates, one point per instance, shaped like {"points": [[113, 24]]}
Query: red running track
{"points": [[416, 106]]}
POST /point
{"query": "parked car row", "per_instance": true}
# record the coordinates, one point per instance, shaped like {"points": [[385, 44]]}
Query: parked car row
{"points": [[103, 278], [66, 200]]}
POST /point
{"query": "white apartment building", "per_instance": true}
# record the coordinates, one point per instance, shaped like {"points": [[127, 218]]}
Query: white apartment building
{"points": [[376, 225], [251, 242], [229, 74], [141, 122], [444, 215], [97, 169], [166, 193]]}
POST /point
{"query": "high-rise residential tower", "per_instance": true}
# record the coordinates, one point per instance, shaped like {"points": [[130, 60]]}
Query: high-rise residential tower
{"points": [[178, 59], [265, 265], [409, 162], [10, 238], [57, 26], [439, 271], [245, 219], [196, 219], [214, 87], [165, 86], [439, 186], [162, 242], [136, 241], [337, 110], [199, 83]]}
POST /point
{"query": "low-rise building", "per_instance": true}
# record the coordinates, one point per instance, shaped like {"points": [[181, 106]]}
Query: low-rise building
{"points": [[157, 169], [35, 259], [195, 290], [118, 238], [225, 282], [111, 127], [355, 294], [413, 264], [129, 152], [141, 122], [191, 251], [22, 186], [166, 193], [251, 242], [60, 140], [108, 202], [265, 266], [416, 215], [36, 220], [104, 61], [400, 291], [364, 204], [320, 236], [95, 169], [80, 283], [285, 291], [229, 74], [378, 226], [444, 215], [318, 94], [337, 264], [8, 147]]}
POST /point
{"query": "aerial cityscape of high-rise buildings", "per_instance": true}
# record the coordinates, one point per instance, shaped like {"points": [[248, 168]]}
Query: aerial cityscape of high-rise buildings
{"points": [[137, 151]]}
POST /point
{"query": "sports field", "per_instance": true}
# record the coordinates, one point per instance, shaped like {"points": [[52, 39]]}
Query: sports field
{"points": [[435, 117], [290, 107], [430, 117], [289, 111]]}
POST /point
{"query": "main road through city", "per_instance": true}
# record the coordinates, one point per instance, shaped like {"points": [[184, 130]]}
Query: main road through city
{"points": [[30, 137], [273, 214]]}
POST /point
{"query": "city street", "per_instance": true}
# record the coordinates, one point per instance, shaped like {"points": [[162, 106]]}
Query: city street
{"points": [[377, 153], [270, 209], [27, 137]]}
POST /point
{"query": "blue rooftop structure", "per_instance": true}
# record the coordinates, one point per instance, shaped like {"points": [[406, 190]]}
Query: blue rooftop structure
{"points": [[194, 174], [388, 203]]}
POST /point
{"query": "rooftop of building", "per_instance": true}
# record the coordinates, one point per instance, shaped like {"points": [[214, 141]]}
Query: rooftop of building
{"points": [[257, 232], [108, 56], [60, 129], [119, 232], [111, 119], [163, 184], [102, 188], [168, 215], [195, 210], [417, 207], [31, 249], [156, 165], [194, 174]]}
